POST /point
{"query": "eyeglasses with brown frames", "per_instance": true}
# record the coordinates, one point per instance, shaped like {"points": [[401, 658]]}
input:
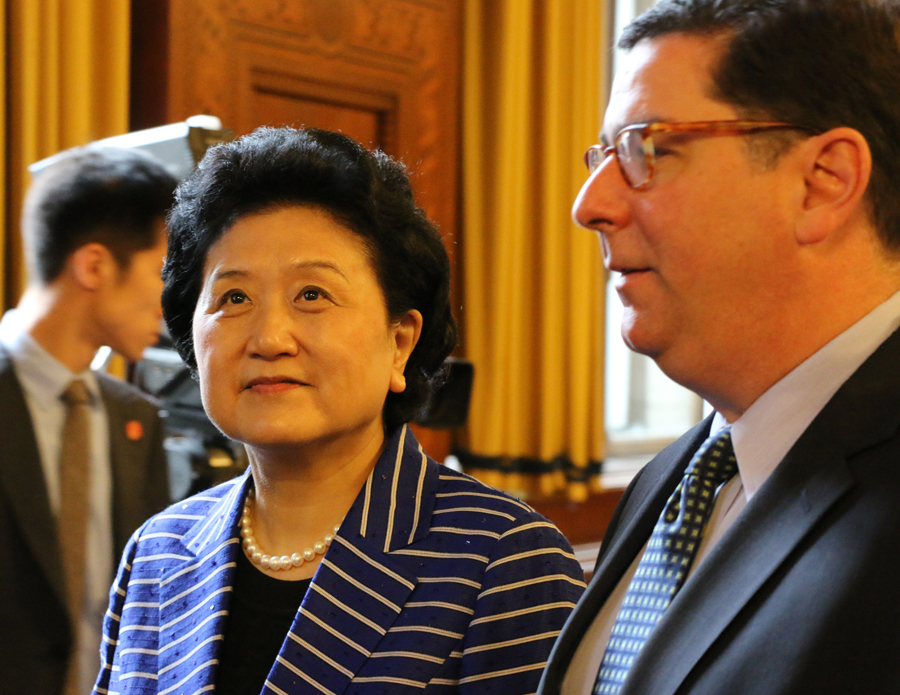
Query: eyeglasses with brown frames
{"points": [[635, 153]]}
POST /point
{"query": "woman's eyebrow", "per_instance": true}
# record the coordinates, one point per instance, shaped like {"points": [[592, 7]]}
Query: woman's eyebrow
{"points": [[320, 265], [226, 274], [302, 265]]}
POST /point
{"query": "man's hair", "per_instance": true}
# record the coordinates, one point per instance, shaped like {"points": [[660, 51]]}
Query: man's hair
{"points": [[111, 196], [816, 63], [367, 192]]}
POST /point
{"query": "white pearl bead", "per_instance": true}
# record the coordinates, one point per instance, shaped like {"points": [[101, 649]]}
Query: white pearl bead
{"points": [[275, 562]]}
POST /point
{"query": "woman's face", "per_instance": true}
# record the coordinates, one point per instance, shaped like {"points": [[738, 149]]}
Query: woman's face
{"points": [[292, 336]]}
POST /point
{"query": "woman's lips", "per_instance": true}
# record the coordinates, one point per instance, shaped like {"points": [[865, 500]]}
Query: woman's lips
{"points": [[275, 384]]}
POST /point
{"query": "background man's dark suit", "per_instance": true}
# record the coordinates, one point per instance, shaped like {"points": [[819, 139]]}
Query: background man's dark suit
{"points": [[34, 625], [800, 595]]}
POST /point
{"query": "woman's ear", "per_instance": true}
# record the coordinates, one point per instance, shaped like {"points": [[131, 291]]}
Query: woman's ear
{"points": [[406, 334], [92, 265], [836, 175]]}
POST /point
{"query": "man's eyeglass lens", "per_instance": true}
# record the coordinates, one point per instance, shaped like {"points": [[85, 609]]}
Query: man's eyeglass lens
{"points": [[633, 152]]}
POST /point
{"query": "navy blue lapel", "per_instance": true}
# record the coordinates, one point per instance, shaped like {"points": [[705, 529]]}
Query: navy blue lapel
{"points": [[394, 508], [194, 596], [734, 571], [643, 503], [646, 502], [359, 589], [810, 480]]}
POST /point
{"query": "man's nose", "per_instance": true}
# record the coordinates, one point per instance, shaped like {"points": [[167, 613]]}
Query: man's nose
{"points": [[601, 202]]}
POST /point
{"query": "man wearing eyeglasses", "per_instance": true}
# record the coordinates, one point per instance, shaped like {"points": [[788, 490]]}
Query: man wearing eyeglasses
{"points": [[746, 193]]}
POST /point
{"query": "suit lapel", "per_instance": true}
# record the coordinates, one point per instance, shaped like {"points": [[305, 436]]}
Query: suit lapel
{"points": [[643, 502], [359, 589], [746, 557], [194, 597], [22, 478], [647, 500], [810, 480], [126, 461], [355, 597]]}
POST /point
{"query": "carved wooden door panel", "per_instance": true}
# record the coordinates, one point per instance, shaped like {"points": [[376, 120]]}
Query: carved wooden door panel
{"points": [[385, 72]]}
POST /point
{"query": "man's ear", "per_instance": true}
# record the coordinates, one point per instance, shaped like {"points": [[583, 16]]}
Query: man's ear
{"points": [[836, 175], [406, 334], [92, 266]]}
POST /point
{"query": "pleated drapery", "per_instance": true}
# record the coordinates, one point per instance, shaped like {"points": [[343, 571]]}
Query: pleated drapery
{"points": [[65, 83], [533, 281]]}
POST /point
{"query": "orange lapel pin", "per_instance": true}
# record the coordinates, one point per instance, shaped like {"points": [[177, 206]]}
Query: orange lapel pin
{"points": [[134, 430]]}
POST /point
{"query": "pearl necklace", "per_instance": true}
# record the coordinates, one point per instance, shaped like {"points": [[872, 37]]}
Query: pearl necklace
{"points": [[285, 562]]}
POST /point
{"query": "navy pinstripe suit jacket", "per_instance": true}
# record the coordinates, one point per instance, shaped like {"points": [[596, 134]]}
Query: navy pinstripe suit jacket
{"points": [[435, 583]]}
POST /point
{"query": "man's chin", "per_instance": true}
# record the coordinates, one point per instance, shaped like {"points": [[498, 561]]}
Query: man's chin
{"points": [[641, 339]]}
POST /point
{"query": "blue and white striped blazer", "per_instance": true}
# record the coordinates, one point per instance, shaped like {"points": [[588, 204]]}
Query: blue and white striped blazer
{"points": [[435, 583]]}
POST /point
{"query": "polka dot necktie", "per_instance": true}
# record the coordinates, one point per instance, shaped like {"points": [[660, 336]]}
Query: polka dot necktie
{"points": [[666, 562]]}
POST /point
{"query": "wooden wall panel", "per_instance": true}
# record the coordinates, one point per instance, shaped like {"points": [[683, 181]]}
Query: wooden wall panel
{"points": [[390, 67], [275, 98]]}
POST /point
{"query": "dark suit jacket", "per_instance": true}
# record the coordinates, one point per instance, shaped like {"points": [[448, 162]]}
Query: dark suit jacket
{"points": [[35, 637], [802, 594]]}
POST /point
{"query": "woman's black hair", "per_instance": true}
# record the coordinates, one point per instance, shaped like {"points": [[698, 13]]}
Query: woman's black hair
{"points": [[366, 191]]}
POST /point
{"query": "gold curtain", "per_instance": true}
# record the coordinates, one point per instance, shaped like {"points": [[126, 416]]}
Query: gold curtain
{"points": [[533, 281], [65, 83]]}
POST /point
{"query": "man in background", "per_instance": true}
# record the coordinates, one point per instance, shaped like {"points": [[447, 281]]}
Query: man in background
{"points": [[81, 457], [747, 193]]}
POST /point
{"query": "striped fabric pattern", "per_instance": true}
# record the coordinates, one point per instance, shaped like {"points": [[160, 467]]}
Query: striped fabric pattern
{"points": [[434, 584]]}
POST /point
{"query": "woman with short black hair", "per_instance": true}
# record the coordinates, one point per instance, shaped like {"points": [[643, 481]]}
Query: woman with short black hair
{"points": [[310, 296]]}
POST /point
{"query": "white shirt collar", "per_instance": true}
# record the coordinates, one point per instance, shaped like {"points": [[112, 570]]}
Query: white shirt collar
{"points": [[42, 375], [765, 433]]}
